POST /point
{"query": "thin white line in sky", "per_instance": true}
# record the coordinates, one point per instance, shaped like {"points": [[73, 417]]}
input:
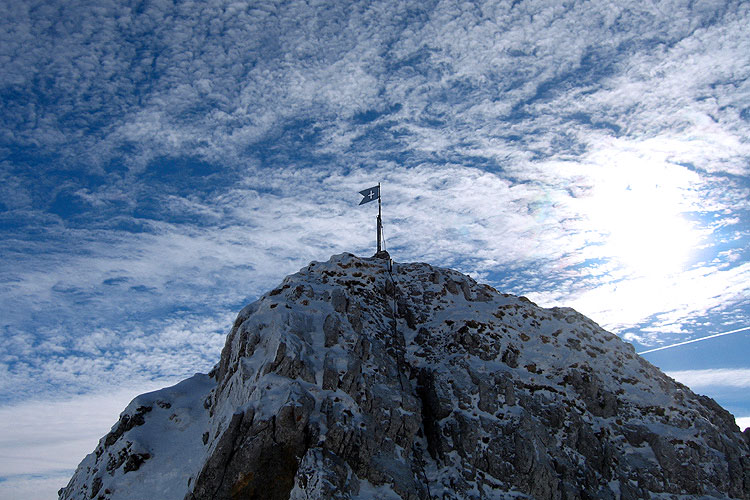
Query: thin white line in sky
{"points": [[695, 340]]}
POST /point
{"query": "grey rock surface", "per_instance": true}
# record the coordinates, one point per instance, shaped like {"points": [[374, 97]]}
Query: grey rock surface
{"points": [[352, 381]]}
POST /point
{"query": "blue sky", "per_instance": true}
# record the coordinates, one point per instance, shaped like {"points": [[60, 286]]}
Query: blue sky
{"points": [[164, 163]]}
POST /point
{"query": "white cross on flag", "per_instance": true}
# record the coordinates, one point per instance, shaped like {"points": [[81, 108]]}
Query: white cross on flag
{"points": [[370, 194]]}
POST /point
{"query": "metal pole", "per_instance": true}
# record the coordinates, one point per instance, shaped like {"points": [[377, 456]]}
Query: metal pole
{"points": [[380, 222]]}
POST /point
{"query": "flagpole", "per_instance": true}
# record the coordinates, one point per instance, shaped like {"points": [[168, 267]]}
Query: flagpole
{"points": [[380, 221]]}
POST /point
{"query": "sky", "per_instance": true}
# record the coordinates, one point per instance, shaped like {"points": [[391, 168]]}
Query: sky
{"points": [[164, 163]]}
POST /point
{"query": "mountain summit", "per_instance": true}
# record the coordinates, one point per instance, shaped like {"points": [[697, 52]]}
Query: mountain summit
{"points": [[362, 378]]}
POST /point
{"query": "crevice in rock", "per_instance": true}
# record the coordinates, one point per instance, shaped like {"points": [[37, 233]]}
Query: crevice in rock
{"points": [[430, 412]]}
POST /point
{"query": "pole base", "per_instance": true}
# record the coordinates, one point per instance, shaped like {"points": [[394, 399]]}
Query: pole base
{"points": [[383, 254]]}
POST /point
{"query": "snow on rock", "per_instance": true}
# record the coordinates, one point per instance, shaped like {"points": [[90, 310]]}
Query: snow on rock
{"points": [[152, 451], [352, 380]]}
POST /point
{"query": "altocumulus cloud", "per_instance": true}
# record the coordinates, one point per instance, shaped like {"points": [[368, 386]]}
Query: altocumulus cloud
{"points": [[162, 164]]}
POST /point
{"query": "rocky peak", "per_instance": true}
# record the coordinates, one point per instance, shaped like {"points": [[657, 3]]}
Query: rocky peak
{"points": [[362, 378]]}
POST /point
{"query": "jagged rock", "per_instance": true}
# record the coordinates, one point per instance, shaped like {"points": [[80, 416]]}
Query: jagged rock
{"points": [[415, 382], [322, 474], [126, 423], [257, 458]]}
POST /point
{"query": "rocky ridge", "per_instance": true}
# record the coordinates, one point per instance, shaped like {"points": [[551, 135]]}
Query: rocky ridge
{"points": [[355, 380]]}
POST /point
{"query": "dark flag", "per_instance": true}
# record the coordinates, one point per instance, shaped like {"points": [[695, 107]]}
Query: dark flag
{"points": [[371, 194]]}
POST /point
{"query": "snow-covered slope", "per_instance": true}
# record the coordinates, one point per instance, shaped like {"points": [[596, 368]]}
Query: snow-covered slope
{"points": [[153, 448], [355, 380]]}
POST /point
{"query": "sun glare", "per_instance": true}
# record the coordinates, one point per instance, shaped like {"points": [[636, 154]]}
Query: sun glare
{"points": [[646, 238], [639, 217]]}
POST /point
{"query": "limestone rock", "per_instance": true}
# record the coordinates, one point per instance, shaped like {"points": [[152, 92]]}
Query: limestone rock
{"points": [[415, 382]]}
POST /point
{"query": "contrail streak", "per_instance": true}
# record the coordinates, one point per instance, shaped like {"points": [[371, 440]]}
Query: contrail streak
{"points": [[695, 340]]}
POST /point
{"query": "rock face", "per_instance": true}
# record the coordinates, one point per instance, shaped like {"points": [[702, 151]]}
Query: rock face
{"points": [[352, 381]]}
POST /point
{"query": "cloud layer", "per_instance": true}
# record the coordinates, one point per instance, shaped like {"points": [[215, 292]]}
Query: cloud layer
{"points": [[163, 164]]}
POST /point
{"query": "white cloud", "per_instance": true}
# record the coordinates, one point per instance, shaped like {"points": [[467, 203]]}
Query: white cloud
{"points": [[50, 437], [738, 378], [676, 298], [34, 486]]}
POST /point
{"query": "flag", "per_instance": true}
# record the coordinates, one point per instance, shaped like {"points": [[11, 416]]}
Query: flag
{"points": [[370, 194]]}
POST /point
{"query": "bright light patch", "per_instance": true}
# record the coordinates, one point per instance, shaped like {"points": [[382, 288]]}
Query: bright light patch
{"points": [[637, 207], [645, 234]]}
